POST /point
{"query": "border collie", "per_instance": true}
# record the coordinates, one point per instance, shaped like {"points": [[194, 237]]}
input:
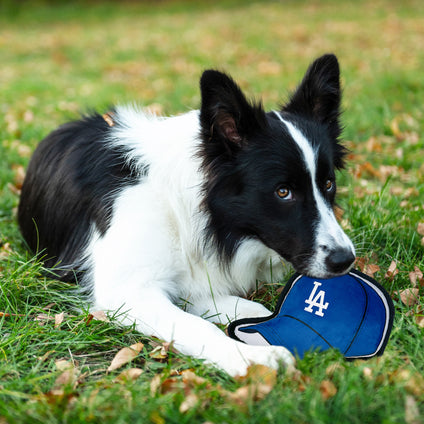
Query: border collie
{"points": [[174, 220]]}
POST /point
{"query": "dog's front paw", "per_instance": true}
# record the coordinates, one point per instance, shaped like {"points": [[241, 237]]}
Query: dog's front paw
{"points": [[237, 360]]}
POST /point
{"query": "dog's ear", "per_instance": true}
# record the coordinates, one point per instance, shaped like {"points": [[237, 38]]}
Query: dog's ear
{"points": [[318, 96], [226, 115]]}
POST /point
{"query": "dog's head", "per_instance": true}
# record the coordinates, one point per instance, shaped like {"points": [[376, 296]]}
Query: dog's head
{"points": [[271, 176]]}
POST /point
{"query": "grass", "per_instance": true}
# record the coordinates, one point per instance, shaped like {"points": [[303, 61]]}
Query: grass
{"points": [[65, 57]]}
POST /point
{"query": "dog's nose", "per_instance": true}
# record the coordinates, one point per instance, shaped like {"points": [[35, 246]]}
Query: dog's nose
{"points": [[340, 260]]}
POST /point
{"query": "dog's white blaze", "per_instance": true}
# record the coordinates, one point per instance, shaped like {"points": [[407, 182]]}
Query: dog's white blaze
{"points": [[329, 234]]}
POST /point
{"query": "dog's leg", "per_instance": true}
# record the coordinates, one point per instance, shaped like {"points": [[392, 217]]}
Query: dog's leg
{"points": [[223, 309], [156, 315]]}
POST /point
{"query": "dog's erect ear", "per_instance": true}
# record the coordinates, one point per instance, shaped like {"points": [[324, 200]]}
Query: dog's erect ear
{"points": [[225, 115], [318, 95]]}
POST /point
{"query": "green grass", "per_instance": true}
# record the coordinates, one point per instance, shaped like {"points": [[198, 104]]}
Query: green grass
{"points": [[58, 59]]}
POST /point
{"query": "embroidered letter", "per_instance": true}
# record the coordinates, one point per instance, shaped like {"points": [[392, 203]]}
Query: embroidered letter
{"points": [[316, 300]]}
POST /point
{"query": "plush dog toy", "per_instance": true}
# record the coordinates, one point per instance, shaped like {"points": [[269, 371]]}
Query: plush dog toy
{"points": [[352, 313]]}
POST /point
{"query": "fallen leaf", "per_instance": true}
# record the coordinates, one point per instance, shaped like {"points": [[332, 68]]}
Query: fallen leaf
{"points": [[100, 316], [409, 296], [367, 372], [125, 355], [392, 271], [19, 177], [192, 379], [260, 381], [394, 126], [5, 250], [366, 169], [58, 319], [130, 374], [412, 412], [43, 318], [413, 381], [371, 269], [333, 369], [416, 277], [155, 384], [419, 316], [96, 315], [374, 145], [159, 353], [366, 267], [68, 377], [327, 389], [190, 401], [338, 212], [261, 374]]}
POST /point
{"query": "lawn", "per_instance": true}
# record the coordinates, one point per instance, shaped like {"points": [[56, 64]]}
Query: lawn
{"points": [[62, 58]]}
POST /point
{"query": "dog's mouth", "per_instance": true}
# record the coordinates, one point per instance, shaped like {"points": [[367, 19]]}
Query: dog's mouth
{"points": [[317, 265]]}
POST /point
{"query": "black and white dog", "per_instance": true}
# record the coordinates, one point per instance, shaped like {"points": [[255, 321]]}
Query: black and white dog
{"points": [[149, 213]]}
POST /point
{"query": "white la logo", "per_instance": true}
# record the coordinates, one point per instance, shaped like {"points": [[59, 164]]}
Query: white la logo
{"points": [[316, 300]]}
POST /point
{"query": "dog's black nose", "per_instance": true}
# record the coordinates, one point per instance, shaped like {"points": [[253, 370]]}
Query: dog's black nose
{"points": [[339, 260]]}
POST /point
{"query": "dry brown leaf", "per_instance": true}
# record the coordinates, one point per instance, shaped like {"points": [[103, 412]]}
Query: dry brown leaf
{"points": [[371, 269], [5, 250], [267, 68], [19, 177], [155, 384], [131, 374], [416, 277], [100, 316], [338, 212], [394, 126], [159, 353], [392, 271], [367, 372], [419, 316], [327, 389], [171, 385], [374, 145], [68, 376], [412, 412], [247, 394], [413, 381], [96, 315], [409, 297], [366, 169], [125, 355], [415, 385], [58, 319], [261, 374], [366, 267], [333, 369], [190, 401], [260, 381], [43, 318], [191, 379]]}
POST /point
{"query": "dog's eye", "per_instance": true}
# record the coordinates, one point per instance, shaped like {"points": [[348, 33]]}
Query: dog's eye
{"points": [[284, 193], [329, 185]]}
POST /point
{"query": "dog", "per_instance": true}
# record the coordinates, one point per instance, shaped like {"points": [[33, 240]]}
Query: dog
{"points": [[175, 219]]}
